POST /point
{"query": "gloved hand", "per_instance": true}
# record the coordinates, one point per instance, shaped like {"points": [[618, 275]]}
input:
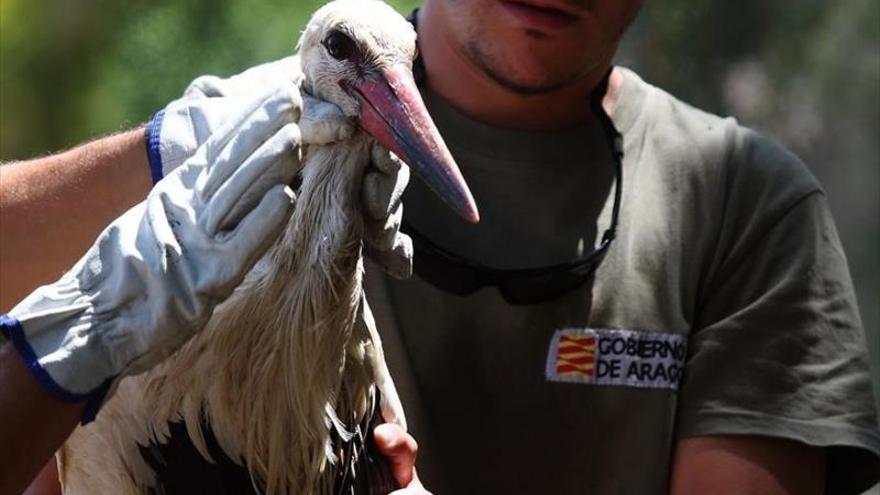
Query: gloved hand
{"points": [[175, 132], [154, 276], [384, 183]]}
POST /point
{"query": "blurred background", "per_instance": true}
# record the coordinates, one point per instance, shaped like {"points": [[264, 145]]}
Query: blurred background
{"points": [[804, 71]]}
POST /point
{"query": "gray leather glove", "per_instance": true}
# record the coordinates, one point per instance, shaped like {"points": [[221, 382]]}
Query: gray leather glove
{"points": [[154, 276], [176, 132], [384, 183]]}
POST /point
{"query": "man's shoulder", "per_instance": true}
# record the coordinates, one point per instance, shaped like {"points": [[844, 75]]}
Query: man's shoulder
{"points": [[700, 142], [655, 102]]}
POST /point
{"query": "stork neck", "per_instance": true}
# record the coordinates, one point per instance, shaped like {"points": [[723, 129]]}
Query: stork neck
{"points": [[457, 78], [329, 229]]}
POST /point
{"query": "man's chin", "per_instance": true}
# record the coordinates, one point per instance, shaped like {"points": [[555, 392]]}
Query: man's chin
{"points": [[525, 87], [522, 77], [527, 84]]}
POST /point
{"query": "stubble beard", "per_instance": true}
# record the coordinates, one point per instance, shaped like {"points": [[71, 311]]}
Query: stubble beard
{"points": [[500, 69], [494, 68]]}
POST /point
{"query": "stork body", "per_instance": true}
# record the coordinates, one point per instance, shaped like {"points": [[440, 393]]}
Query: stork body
{"points": [[292, 361], [280, 362]]}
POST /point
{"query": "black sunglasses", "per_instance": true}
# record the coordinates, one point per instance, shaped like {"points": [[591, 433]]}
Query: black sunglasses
{"points": [[458, 275]]}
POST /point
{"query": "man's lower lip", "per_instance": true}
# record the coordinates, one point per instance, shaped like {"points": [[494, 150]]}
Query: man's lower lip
{"points": [[539, 18]]}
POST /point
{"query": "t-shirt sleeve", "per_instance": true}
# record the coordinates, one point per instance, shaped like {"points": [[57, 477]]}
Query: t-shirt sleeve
{"points": [[778, 348]]}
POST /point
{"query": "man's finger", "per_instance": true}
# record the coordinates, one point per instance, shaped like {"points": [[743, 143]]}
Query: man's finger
{"points": [[382, 234], [323, 122], [382, 192], [240, 136], [258, 231], [251, 81], [400, 448], [385, 160], [273, 160], [396, 261]]}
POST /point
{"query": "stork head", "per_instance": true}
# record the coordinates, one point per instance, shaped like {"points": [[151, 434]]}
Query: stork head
{"points": [[358, 54]]}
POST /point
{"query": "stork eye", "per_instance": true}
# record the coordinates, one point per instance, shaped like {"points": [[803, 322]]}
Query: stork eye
{"points": [[339, 46]]}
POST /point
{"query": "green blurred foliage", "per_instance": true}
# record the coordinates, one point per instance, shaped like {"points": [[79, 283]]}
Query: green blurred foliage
{"points": [[74, 69], [804, 71]]}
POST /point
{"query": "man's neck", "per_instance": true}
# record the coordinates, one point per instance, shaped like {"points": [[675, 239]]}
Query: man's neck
{"points": [[458, 80]]}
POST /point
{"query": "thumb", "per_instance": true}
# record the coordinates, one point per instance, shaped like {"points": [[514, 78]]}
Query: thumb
{"points": [[401, 450], [323, 123]]}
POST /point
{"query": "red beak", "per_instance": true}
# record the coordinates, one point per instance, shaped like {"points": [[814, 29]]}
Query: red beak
{"points": [[392, 111]]}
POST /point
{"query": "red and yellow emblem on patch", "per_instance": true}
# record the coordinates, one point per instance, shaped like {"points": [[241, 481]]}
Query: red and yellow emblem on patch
{"points": [[617, 357], [576, 355]]}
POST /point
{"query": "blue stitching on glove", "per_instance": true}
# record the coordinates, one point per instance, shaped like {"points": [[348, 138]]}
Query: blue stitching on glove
{"points": [[13, 331], [154, 128]]}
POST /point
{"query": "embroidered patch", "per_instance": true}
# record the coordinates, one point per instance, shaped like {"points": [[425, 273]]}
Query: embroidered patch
{"points": [[616, 357]]}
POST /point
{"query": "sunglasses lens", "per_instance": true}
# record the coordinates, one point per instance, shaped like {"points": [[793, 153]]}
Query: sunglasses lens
{"points": [[548, 285], [459, 276], [446, 276]]}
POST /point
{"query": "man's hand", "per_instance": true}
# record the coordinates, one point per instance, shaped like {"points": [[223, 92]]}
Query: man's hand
{"points": [[384, 183], [154, 276], [401, 449], [176, 132]]}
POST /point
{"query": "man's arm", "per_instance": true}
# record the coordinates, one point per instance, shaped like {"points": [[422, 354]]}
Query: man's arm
{"points": [[42, 423], [60, 362], [747, 465], [52, 208]]}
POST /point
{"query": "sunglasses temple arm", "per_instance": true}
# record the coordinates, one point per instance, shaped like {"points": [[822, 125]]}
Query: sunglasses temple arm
{"points": [[615, 142]]}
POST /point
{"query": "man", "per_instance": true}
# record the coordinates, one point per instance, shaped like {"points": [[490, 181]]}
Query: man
{"points": [[725, 265], [724, 247]]}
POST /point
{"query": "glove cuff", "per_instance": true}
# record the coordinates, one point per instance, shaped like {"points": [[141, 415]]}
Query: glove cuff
{"points": [[154, 155], [13, 331]]}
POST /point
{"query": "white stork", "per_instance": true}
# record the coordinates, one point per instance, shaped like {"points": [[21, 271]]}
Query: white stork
{"points": [[291, 362]]}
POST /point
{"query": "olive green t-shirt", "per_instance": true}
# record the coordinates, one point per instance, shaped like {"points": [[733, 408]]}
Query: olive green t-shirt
{"points": [[724, 306]]}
